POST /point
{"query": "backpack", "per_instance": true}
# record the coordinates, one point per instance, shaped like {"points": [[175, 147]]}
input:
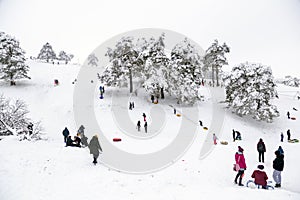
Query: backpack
{"points": [[260, 147]]}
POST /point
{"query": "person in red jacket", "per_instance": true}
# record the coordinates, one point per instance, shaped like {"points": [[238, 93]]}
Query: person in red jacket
{"points": [[240, 160], [260, 177]]}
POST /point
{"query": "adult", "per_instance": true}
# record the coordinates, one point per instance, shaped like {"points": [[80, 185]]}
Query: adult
{"points": [[260, 177], [152, 98], [288, 115], [66, 133], [77, 140], [240, 160], [146, 127], [278, 164], [81, 130], [238, 135], [144, 116], [95, 148], [281, 137], [261, 148], [288, 134], [138, 125]]}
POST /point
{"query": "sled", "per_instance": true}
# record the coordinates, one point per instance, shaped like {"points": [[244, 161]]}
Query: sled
{"points": [[224, 142], [117, 139], [178, 115], [293, 141], [205, 128], [293, 118], [253, 185], [155, 102]]}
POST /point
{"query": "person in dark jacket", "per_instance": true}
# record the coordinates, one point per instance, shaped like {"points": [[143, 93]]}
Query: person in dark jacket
{"points": [[77, 140], [69, 142], [281, 137], [95, 148], [278, 164], [233, 134], [240, 160], [260, 177], [66, 133], [280, 150], [145, 126], [288, 115], [138, 125], [288, 134], [261, 148]]}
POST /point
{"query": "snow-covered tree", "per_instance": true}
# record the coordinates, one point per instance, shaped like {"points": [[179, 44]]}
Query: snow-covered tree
{"points": [[12, 59], [214, 59], [249, 90], [185, 72], [65, 57], [93, 60], [155, 70], [291, 81], [14, 120], [124, 60], [47, 53]]}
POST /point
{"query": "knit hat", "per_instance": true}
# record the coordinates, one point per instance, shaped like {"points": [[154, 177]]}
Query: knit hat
{"points": [[261, 167], [240, 149]]}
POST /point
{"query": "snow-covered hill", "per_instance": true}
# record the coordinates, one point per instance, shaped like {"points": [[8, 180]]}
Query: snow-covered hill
{"points": [[45, 170]]}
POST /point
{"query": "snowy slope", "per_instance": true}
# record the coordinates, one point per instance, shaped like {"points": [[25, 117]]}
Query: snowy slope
{"points": [[47, 170]]}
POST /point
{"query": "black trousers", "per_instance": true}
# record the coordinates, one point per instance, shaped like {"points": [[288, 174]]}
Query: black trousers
{"points": [[240, 175], [261, 156]]}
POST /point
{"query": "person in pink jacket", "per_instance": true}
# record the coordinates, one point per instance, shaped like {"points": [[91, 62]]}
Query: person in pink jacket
{"points": [[240, 160]]}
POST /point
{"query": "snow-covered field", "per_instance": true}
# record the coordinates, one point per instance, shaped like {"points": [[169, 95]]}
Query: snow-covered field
{"points": [[46, 170]]}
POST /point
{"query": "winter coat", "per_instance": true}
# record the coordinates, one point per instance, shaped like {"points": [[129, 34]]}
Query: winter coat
{"points": [[66, 132], [240, 159], [94, 146], [69, 141], [81, 129], [260, 177], [280, 150], [278, 162], [261, 147]]}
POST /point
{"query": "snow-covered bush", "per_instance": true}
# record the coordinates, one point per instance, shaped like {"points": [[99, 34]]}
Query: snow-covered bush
{"points": [[14, 120], [12, 59], [63, 56], [249, 90], [93, 60]]}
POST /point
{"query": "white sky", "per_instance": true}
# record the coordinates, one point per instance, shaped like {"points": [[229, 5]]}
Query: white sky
{"points": [[266, 31]]}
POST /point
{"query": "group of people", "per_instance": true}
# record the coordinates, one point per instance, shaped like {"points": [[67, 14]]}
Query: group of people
{"points": [[260, 176], [288, 133], [80, 140], [138, 125]]}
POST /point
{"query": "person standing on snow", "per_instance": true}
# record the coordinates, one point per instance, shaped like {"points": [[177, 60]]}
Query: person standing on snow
{"points": [[278, 164], [144, 116], [138, 125], [260, 177], [261, 148], [288, 115], [95, 148], [146, 126], [240, 160], [288, 134], [281, 137], [66, 133], [215, 139], [233, 134]]}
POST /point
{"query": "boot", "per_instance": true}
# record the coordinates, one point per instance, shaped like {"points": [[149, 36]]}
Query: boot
{"points": [[95, 161], [240, 182]]}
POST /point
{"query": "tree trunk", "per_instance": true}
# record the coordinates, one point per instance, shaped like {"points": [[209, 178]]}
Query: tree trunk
{"points": [[130, 81], [213, 75], [162, 95], [217, 76]]}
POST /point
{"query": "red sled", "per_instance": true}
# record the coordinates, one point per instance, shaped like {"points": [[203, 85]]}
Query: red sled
{"points": [[293, 118], [117, 139]]}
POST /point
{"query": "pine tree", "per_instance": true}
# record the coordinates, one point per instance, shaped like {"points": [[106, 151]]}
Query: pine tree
{"points": [[65, 57], [93, 60], [214, 59], [291, 81], [47, 53], [12, 59], [185, 72], [249, 90]]}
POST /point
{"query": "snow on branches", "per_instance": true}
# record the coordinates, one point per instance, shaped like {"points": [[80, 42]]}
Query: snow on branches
{"points": [[249, 90], [14, 120], [12, 59]]}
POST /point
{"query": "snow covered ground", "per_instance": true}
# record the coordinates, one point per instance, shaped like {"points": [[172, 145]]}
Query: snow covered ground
{"points": [[46, 170]]}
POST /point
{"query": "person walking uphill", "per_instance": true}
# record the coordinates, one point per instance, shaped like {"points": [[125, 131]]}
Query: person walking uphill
{"points": [[66, 133], [95, 148], [278, 164], [261, 148], [240, 160]]}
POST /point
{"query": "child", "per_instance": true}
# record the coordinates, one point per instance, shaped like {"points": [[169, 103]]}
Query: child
{"points": [[260, 177]]}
